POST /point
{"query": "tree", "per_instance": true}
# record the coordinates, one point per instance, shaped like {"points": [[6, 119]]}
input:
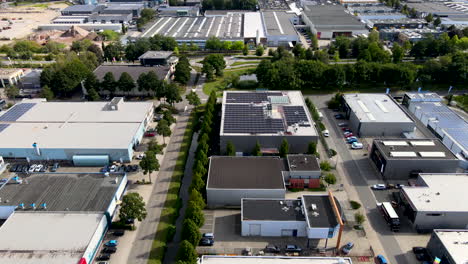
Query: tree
{"points": [[230, 149], [312, 148], [314, 42], [149, 163], [213, 43], [257, 150], [216, 61], [284, 148], [186, 253], [325, 166], [154, 147], [245, 50], [259, 51], [196, 197], [330, 178], [126, 82], [209, 71], [163, 129], [172, 93], [108, 82], [193, 98], [93, 95], [190, 232], [429, 18], [132, 207], [92, 83], [194, 212], [397, 53], [182, 70], [167, 115], [12, 91], [437, 22], [47, 93], [359, 218]]}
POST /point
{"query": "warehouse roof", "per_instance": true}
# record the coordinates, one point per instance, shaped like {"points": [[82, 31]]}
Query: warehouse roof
{"points": [[302, 162], [245, 172], [62, 192], [253, 25], [420, 149], [278, 23], [153, 54], [319, 211], [82, 8], [331, 16], [376, 108], [47, 238], [119, 6], [455, 243], [423, 97], [435, 8], [218, 259], [254, 209], [264, 112], [134, 70], [439, 193]]}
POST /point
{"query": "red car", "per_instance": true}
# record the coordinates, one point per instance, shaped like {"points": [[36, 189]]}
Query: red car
{"points": [[150, 134], [347, 135]]}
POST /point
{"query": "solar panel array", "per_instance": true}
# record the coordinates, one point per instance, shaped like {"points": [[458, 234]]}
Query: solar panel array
{"points": [[295, 115], [245, 98], [241, 118], [16, 112], [3, 126]]}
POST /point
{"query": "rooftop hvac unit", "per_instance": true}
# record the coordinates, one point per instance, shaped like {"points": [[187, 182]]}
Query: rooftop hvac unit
{"points": [[314, 207], [315, 214]]}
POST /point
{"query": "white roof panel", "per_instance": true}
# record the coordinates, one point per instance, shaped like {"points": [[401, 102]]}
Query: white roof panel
{"points": [[432, 154], [395, 143], [403, 154], [422, 143]]}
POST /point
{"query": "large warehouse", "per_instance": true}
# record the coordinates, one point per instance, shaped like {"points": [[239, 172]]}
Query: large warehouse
{"points": [[330, 21], [41, 130], [266, 117], [399, 159], [376, 115], [311, 216], [279, 28], [437, 202], [449, 245], [224, 259]]}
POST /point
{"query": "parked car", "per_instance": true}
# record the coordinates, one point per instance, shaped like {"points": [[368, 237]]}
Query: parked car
{"points": [[44, 168], [113, 168], [357, 145], [39, 167], [32, 168], [326, 133], [346, 249], [103, 262], [381, 259], [418, 250], [206, 242], [379, 187], [399, 186], [208, 235], [119, 232], [135, 168], [293, 248], [423, 255], [109, 250], [343, 124], [348, 134], [140, 156], [105, 169], [272, 249], [13, 168], [351, 140], [103, 257], [130, 221], [339, 116], [54, 167], [128, 168], [150, 134], [111, 243]]}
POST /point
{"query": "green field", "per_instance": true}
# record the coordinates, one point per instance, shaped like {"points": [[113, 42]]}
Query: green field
{"points": [[219, 84]]}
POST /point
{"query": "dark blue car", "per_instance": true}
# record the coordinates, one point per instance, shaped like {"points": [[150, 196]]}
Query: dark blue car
{"points": [[381, 259]]}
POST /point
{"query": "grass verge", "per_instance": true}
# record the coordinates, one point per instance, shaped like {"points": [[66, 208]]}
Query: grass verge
{"points": [[247, 63], [462, 102], [172, 204], [219, 84]]}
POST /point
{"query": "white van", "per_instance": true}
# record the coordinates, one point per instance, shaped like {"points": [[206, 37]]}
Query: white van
{"points": [[320, 115], [357, 145], [326, 133]]}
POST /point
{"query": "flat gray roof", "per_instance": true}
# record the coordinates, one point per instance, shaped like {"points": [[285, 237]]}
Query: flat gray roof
{"points": [[47, 237], [278, 23], [301, 162], [378, 108], [414, 149], [227, 172], [82, 8], [272, 210], [331, 16], [92, 192], [436, 8], [323, 214], [212, 259], [153, 54]]}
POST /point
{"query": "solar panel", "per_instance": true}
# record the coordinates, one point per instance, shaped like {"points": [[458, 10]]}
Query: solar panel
{"points": [[3, 126], [246, 98], [295, 115], [16, 112], [241, 118]]}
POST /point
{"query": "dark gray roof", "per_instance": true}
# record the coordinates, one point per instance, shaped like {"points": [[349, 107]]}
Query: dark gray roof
{"points": [[323, 215], [331, 15], [246, 172], [133, 70], [303, 163], [82, 8], [152, 54], [386, 147], [62, 192], [273, 210]]}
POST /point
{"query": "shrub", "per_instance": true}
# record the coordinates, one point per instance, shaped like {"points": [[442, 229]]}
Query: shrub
{"points": [[325, 165], [355, 205], [359, 218], [332, 152], [330, 178], [171, 231]]}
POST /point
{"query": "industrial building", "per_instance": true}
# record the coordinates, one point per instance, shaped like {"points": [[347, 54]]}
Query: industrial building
{"points": [[279, 28], [30, 83], [447, 125], [437, 202], [224, 259], [81, 10], [152, 58], [110, 18], [399, 159], [100, 131], [232, 178], [404, 23], [121, 8], [376, 115], [51, 237], [330, 21], [10, 76], [311, 216], [266, 117], [375, 12], [439, 9], [254, 32], [449, 245], [179, 11]]}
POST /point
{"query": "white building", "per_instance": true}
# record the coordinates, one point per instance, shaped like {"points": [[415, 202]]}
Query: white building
{"points": [[10, 76], [376, 115], [449, 245], [41, 130], [279, 28], [208, 259]]}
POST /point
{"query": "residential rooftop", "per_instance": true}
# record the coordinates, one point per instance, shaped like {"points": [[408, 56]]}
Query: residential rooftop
{"points": [[455, 242], [319, 211], [134, 70], [92, 192], [439, 193], [46, 237], [376, 108], [301, 162], [265, 113], [421, 149], [226, 172], [254, 209], [218, 259], [278, 23]]}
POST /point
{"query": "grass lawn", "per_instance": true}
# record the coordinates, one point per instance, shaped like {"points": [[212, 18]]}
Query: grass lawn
{"points": [[171, 208], [219, 84], [462, 101], [247, 63]]}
